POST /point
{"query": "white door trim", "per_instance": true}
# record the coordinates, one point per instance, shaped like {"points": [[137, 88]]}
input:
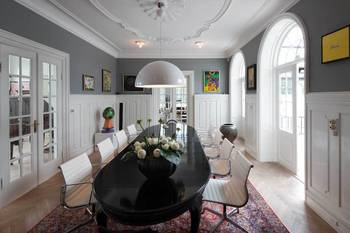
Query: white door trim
{"points": [[11, 39]]}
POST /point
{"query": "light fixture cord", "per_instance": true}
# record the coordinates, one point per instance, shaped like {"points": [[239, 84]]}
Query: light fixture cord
{"points": [[160, 37]]}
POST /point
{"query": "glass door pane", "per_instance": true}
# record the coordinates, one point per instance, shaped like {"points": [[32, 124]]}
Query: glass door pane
{"points": [[20, 117]]}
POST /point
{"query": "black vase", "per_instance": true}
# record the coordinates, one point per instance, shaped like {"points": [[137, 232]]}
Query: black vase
{"points": [[156, 168], [229, 131]]}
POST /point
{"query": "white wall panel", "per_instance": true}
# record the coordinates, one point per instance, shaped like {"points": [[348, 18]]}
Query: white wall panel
{"points": [[210, 110], [251, 125], [328, 157]]}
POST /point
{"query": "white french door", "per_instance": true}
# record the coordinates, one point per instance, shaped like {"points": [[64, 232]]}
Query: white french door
{"points": [[176, 103], [50, 116], [30, 120], [18, 135], [286, 110]]}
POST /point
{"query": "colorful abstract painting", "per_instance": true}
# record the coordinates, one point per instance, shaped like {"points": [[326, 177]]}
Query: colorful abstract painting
{"points": [[212, 81]]}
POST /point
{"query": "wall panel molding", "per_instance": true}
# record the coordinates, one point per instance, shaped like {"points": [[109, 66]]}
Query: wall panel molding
{"points": [[328, 157]]}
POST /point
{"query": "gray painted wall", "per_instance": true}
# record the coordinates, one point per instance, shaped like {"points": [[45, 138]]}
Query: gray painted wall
{"points": [[320, 17], [84, 58], [133, 66]]}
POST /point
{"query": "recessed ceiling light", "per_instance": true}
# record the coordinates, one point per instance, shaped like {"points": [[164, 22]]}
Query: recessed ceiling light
{"points": [[199, 44], [139, 43]]}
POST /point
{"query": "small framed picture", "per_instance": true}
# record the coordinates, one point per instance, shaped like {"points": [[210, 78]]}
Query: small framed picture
{"points": [[251, 78], [336, 45], [106, 81], [211, 81], [88, 82], [129, 84]]}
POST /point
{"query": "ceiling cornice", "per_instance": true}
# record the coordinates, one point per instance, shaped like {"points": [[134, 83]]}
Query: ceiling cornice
{"points": [[242, 41], [126, 27], [54, 12], [151, 53]]}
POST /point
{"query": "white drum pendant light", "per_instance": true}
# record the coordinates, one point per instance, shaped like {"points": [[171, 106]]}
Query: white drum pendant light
{"points": [[160, 74]]}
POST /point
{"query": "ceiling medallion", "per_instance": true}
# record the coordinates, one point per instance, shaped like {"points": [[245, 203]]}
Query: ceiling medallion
{"points": [[167, 10], [159, 11]]}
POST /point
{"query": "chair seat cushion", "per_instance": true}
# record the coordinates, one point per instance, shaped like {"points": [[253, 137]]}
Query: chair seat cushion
{"points": [[79, 195], [220, 167]]}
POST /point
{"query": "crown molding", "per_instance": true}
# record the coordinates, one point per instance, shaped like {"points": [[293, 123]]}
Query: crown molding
{"points": [[134, 31], [242, 41], [54, 12], [152, 53]]}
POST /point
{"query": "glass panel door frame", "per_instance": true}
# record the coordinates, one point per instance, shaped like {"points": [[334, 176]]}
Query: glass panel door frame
{"points": [[50, 115], [287, 128], [21, 84]]}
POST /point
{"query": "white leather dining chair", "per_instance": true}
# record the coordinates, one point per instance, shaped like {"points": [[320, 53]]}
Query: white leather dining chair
{"points": [[106, 150], [232, 192], [220, 166], [77, 190], [132, 131], [122, 139]]}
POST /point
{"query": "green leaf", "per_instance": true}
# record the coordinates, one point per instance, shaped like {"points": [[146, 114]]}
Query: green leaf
{"points": [[171, 156], [128, 155]]}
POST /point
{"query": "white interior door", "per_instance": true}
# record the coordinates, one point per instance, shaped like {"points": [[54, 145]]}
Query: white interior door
{"points": [[286, 110], [18, 136], [176, 103], [49, 116]]}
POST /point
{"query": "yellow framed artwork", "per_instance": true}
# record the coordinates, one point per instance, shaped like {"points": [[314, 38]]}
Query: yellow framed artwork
{"points": [[336, 45]]}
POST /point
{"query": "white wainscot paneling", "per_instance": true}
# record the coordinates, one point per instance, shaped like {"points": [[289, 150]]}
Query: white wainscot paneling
{"points": [[85, 119], [135, 107], [328, 157], [251, 124], [210, 110]]}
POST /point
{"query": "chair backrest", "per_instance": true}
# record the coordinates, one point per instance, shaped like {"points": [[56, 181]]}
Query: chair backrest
{"points": [[122, 139], [106, 149], [132, 129], [77, 169], [171, 121], [240, 169], [225, 149], [218, 137]]}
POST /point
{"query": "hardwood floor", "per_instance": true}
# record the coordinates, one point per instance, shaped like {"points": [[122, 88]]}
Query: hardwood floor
{"points": [[282, 191]]}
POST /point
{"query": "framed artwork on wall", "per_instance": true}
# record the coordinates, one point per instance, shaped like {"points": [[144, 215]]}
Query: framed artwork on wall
{"points": [[129, 84], [106, 81], [251, 78], [211, 81], [336, 45], [88, 83]]}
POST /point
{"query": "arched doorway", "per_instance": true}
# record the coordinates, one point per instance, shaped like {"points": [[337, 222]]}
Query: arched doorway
{"points": [[237, 92], [281, 94]]}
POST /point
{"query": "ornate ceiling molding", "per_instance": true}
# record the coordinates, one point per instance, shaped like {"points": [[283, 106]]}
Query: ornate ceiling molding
{"points": [[165, 10], [204, 27]]}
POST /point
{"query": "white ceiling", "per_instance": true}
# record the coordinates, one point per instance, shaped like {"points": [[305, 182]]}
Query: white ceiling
{"points": [[114, 25]]}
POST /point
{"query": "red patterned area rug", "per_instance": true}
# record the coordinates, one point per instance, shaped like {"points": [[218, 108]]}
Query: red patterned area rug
{"points": [[255, 217]]}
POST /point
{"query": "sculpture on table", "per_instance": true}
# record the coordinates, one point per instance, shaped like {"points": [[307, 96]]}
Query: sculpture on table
{"points": [[108, 115]]}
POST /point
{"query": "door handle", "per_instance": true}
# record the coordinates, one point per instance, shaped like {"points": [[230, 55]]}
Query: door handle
{"points": [[35, 125], [333, 126]]}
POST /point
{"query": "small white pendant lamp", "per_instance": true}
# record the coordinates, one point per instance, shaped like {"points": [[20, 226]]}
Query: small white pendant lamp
{"points": [[160, 74]]}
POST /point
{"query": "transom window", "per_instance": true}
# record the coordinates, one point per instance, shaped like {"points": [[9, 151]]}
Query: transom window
{"points": [[292, 47]]}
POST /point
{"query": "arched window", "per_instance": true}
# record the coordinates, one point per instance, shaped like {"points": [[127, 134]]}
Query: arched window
{"points": [[281, 93], [237, 91]]}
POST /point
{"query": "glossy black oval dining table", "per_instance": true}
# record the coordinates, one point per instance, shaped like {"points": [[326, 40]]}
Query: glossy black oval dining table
{"points": [[124, 194]]}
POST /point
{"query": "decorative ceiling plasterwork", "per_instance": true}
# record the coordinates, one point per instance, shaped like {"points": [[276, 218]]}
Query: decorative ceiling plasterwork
{"points": [[165, 10], [205, 27]]}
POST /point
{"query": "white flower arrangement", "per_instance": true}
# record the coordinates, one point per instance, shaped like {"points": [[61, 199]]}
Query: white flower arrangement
{"points": [[156, 147]]}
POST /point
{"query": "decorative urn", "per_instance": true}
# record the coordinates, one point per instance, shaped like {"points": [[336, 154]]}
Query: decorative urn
{"points": [[229, 131]]}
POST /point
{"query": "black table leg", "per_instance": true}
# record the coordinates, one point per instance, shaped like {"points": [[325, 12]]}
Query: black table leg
{"points": [[196, 214], [101, 219]]}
